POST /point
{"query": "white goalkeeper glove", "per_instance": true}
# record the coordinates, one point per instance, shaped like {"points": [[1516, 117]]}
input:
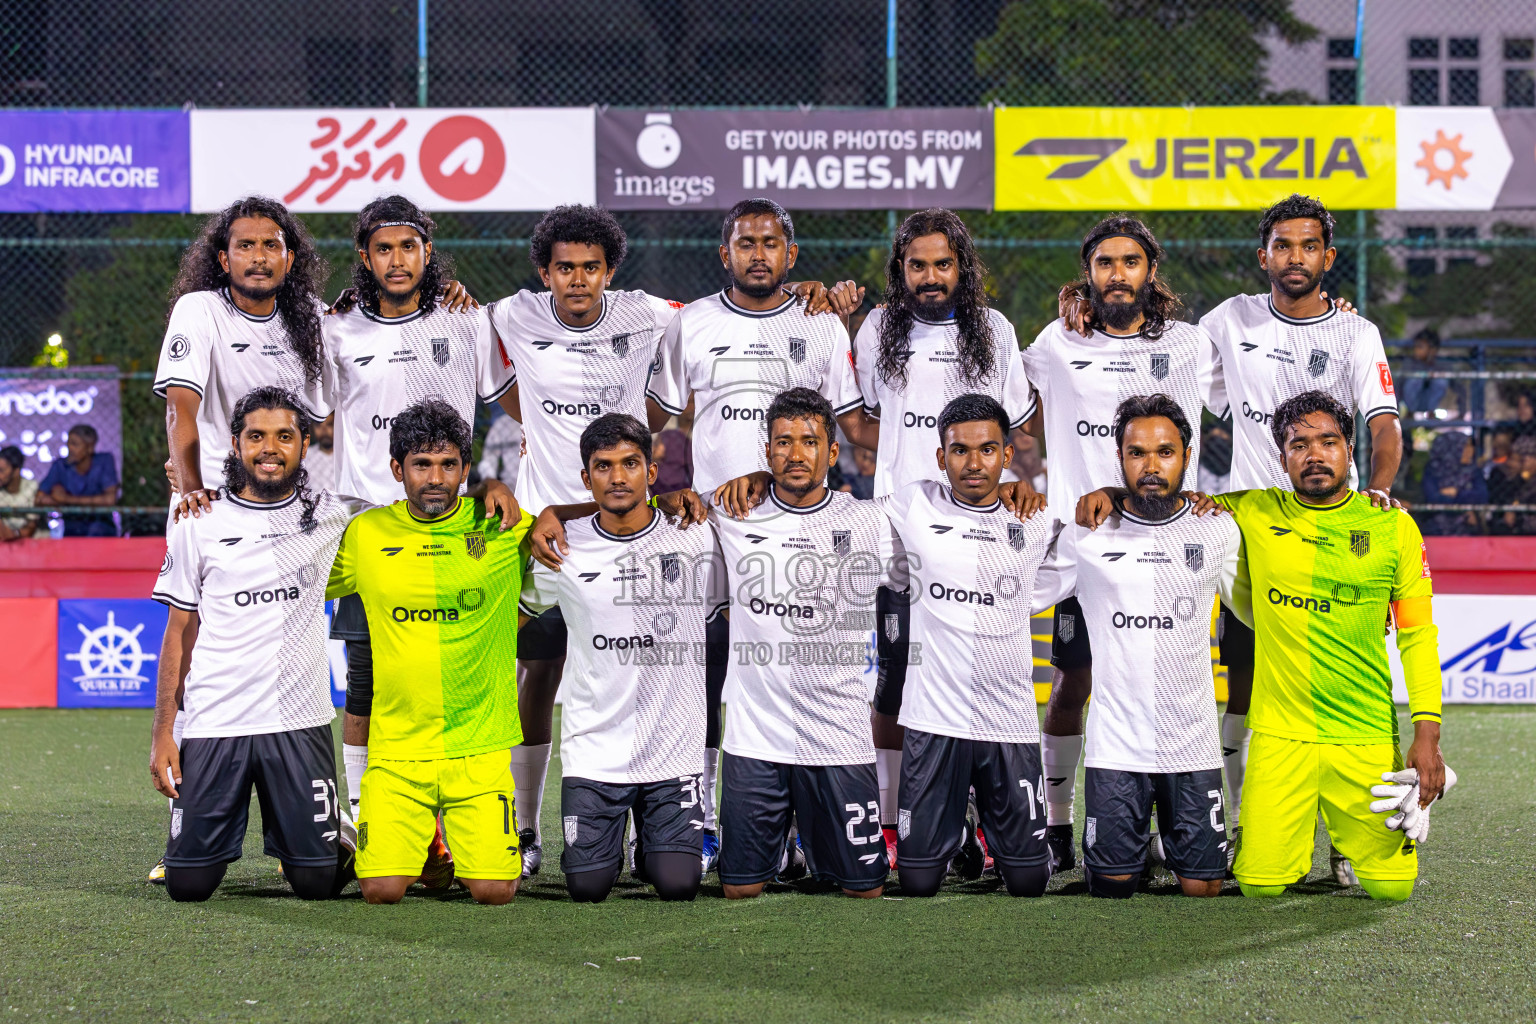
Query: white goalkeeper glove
{"points": [[1400, 796]]}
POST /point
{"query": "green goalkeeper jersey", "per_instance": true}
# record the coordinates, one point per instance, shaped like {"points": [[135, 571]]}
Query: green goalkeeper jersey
{"points": [[1325, 585], [441, 598]]}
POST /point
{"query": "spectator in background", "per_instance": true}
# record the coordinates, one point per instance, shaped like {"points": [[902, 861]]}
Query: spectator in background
{"points": [[1502, 469], [320, 460], [1515, 484], [16, 491], [1215, 471], [502, 453], [1027, 462], [87, 477], [1452, 477], [1525, 416], [1423, 395], [861, 482], [673, 453]]}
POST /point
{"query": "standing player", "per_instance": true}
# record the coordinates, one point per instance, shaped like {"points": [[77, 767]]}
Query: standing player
{"points": [[803, 567], [1273, 347], [247, 633], [1136, 347], [437, 577], [1326, 568], [395, 344], [636, 590], [934, 340], [731, 353], [1146, 580], [969, 714]]}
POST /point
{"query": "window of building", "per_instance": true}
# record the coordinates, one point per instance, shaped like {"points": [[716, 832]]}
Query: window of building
{"points": [[1520, 72], [1460, 232], [1463, 48], [1341, 85], [1421, 48], [1341, 49], [1424, 87], [1520, 49], [1462, 87]]}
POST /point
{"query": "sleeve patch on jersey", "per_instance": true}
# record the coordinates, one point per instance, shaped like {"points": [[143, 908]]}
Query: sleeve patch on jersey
{"points": [[1385, 373], [674, 304], [1424, 559], [1412, 612], [501, 350]]}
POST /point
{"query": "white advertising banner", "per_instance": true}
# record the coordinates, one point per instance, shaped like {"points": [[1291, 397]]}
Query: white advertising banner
{"points": [[321, 161], [1487, 650], [1450, 158]]}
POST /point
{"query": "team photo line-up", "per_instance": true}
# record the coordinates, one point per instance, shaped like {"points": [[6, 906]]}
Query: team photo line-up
{"points": [[758, 587]]}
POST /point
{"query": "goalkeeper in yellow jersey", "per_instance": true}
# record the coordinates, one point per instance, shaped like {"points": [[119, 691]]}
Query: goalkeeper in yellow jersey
{"points": [[440, 582], [1327, 574]]}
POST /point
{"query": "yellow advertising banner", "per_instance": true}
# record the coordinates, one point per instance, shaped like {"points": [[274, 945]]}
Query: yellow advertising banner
{"points": [[1193, 158]]}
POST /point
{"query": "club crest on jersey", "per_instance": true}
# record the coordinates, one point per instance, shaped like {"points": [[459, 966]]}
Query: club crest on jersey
{"points": [[1016, 536], [1159, 365], [620, 343], [671, 567], [1360, 542], [440, 351], [1194, 556], [842, 541], [474, 545], [1317, 362], [797, 350]]}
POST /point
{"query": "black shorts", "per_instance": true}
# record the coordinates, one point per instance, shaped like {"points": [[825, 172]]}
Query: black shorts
{"points": [[668, 819], [937, 773], [349, 620], [836, 807], [543, 637], [1190, 819], [893, 647], [1236, 641], [717, 660], [1069, 636], [295, 778]]}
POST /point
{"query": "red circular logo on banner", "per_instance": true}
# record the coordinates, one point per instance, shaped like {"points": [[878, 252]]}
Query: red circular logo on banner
{"points": [[462, 158]]}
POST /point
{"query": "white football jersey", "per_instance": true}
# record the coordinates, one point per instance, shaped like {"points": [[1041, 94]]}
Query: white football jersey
{"points": [[909, 413], [733, 361], [1147, 591], [972, 579], [569, 376], [633, 689], [213, 348], [1268, 357], [257, 584], [802, 591], [1082, 381], [376, 367]]}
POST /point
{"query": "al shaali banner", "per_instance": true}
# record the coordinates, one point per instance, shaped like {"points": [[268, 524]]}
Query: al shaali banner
{"points": [[1193, 158]]}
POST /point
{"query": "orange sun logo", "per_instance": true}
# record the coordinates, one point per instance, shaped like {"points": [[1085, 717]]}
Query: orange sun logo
{"points": [[1452, 148]]}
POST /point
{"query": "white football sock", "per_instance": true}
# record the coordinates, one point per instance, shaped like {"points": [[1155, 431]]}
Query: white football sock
{"points": [[888, 775], [354, 756], [711, 771], [1234, 755], [1059, 756], [530, 766]]}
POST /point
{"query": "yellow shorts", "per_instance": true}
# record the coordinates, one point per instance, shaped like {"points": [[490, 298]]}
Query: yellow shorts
{"points": [[1288, 782], [401, 801]]}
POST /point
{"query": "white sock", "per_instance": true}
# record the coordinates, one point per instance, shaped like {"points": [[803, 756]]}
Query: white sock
{"points": [[1059, 756], [888, 774], [711, 772], [530, 766], [354, 756], [1234, 755]]}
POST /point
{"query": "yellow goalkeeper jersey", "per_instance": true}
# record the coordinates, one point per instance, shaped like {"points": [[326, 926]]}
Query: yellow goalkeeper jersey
{"points": [[441, 598], [1321, 582]]}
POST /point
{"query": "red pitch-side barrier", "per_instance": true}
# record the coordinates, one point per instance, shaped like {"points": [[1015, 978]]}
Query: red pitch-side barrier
{"points": [[36, 574]]}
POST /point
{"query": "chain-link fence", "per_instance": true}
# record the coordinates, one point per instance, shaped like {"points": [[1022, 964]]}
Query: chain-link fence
{"points": [[100, 281]]}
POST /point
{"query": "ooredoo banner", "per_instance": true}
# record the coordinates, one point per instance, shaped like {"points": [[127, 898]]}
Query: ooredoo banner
{"points": [[93, 161], [36, 415], [320, 161], [805, 159]]}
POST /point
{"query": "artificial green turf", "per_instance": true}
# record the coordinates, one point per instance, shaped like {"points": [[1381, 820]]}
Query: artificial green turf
{"points": [[84, 937]]}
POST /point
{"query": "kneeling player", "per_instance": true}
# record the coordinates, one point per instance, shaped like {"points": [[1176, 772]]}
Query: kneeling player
{"points": [[804, 566], [436, 578], [635, 590], [258, 692], [969, 708], [1146, 580]]}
